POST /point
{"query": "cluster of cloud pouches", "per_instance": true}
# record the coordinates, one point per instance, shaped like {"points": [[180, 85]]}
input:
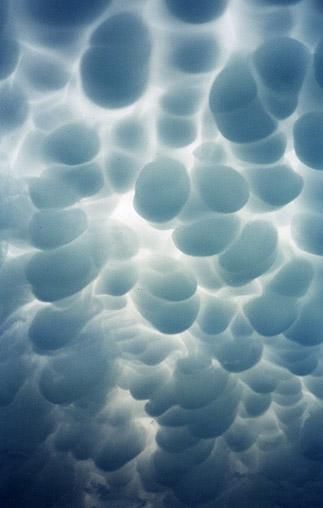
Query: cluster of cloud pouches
{"points": [[161, 280]]}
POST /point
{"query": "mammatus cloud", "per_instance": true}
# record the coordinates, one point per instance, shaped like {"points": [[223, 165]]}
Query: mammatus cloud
{"points": [[161, 237]]}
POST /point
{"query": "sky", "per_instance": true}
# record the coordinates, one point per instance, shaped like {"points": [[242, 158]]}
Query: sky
{"points": [[161, 243]]}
